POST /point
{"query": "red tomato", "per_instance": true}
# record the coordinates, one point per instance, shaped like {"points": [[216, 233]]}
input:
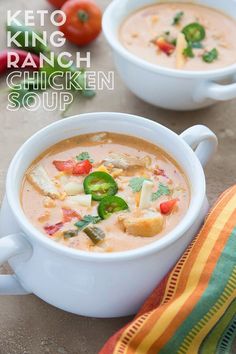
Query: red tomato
{"points": [[82, 168], [52, 229], [159, 172], [57, 3], [72, 167], [167, 207], [65, 166], [69, 214], [165, 46], [83, 21]]}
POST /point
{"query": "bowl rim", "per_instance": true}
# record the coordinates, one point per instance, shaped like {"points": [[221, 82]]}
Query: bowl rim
{"points": [[32, 232], [114, 42]]}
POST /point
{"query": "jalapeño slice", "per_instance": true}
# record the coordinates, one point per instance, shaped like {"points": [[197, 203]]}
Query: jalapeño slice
{"points": [[110, 205], [194, 32], [100, 185]]}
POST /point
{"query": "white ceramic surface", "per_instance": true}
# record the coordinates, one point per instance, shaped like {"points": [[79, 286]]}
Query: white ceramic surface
{"points": [[164, 87], [95, 284]]}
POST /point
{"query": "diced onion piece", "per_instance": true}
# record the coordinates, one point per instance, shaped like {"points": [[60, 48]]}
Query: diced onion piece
{"points": [[181, 44], [76, 200], [62, 178], [40, 179], [73, 188], [146, 195]]}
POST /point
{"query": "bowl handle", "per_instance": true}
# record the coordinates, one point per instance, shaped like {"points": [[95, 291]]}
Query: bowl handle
{"points": [[202, 140], [215, 91], [10, 246]]}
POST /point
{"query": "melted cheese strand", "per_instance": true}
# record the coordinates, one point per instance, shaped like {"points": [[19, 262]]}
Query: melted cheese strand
{"points": [[180, 46]]}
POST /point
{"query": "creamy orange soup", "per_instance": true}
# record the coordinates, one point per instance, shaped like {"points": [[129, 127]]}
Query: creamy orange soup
{"points": [[104, 192], [181, 35]]}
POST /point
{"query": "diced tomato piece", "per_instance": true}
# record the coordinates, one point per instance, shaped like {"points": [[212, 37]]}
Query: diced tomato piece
{"points": [[52, 229], [167, 207], [65, 166], [82, 168], [69, 214], [165, 46], [159, 172], [73, 167]]}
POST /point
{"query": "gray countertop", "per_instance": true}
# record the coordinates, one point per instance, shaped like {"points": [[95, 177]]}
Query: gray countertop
{"points": [[27, 324]]}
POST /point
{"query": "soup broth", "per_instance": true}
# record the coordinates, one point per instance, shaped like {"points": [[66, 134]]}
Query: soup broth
{"points": [[181, 36], [104, 192]]}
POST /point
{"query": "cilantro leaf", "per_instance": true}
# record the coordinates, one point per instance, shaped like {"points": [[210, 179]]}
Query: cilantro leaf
{"points": [[87, 219], [210, 56], [84, 156], [162, 190], [174, 41], [136, 183], [177, 18], [188, 52]]}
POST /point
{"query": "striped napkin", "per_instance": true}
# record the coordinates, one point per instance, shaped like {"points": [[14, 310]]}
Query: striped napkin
{"points": [[193, 309]]}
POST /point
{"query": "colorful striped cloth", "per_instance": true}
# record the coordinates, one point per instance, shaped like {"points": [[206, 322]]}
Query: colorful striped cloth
{"points": [[193, 309]]}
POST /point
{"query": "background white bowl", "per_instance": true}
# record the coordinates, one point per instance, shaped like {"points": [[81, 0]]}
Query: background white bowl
{"points": [[164, 87]]}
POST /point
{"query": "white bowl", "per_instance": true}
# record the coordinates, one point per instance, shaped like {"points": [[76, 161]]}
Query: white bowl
{"points": [[97, 284], [164, 87]]}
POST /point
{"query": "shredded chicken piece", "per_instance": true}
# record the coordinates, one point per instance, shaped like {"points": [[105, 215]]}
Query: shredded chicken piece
{"points": [[125, 161], [224, 45], [142, 223], [116, 172], [98, 137], [40, 179]]}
